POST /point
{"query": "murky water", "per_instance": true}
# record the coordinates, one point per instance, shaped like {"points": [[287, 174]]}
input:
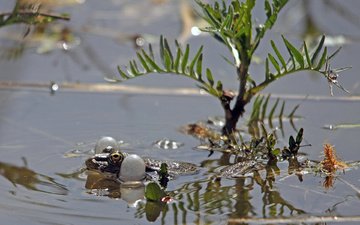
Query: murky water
{"points": [[41, 184]]}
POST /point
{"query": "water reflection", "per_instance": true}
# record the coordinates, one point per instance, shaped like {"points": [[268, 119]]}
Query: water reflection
{"points": [[235, 198], [31, 180]]}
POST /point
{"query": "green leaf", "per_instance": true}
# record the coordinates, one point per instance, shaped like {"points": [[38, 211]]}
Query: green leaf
{"points": [[151, 62], [195, 59], [294, 52], [167, 61], [267, 9], [336, 52], [299, 136], [143, 62], [274, 62], [167, 47], [322, 59], [308, 60], [185, 59], [267, 72], [122, 73], [177, 60], [318, 49], [283, 63], [219, 87], [153, 192], [292, 143], [199, 67], [133, 69], [276, 152], [209, 77], [162, 50], [151, 52]]}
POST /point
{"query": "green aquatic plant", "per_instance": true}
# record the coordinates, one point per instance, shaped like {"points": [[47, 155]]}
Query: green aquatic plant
{"points": [[232, 24]]}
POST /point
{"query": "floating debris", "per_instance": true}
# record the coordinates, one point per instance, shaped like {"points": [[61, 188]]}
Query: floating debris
{"points": [[201, 131], [331, 163]]}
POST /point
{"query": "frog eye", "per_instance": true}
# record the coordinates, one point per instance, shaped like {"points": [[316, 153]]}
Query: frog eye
{"points": [[116, 156]]}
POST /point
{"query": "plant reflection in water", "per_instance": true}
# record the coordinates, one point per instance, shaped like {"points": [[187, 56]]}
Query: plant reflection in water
{"points": [[29, 179]]}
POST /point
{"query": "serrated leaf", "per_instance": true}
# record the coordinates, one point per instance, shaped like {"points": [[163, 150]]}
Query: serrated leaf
{"points": [[274, 63], [199, 67], [228, 61], [151, 52], [322, 59], [336, 52], [185, 58], [267, 9], [219, 87], [167, 61], [132, 68], [294, 52], [195, 59], [167, 47], [143, 62], [177, 60], [267, 71], [210, 18], [308, 60], [228, 19], [162, 50], [317, 50], [210, 77], [282, 61], [151, 62], [122, 73]]}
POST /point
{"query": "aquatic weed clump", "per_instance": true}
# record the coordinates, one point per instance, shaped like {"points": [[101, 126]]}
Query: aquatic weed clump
{"points": [[232, 25]]}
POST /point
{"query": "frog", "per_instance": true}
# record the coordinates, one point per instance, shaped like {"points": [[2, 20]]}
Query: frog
{"points": [[106, 162], [109, 162]]}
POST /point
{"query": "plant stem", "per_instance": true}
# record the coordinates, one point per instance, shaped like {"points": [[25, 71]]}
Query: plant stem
{"points": [[232, 115]]}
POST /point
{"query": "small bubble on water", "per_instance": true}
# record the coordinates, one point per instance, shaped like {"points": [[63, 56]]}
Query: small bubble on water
{"points": [[329, 127], [168, 144], [195, 31], [54, 87], [139, 41]]}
